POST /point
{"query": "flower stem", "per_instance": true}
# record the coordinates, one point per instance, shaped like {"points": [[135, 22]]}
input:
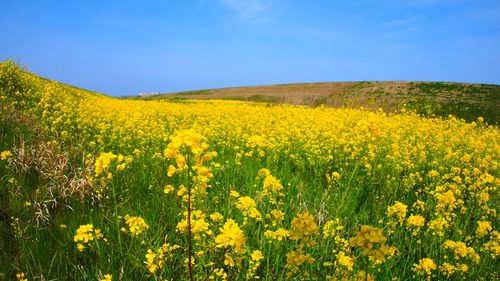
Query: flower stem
{"points": [[190, 246]]}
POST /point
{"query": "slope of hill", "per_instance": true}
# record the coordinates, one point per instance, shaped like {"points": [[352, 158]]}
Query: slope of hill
{"points": [[468, 101], [99, 188]]}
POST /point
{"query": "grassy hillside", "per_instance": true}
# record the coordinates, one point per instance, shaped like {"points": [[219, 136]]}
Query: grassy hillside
{"points": [[468, 101], [99, 188]]}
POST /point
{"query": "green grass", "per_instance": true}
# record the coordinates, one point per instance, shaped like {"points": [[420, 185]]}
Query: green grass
{"points": [[45, 248]]}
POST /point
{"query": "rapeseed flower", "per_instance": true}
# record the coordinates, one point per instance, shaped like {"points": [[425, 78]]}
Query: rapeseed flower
{"points": [[107, 277], [136, 225], [5, 155], [304, 228], [85, 234], [231, 236], [425, 267]]}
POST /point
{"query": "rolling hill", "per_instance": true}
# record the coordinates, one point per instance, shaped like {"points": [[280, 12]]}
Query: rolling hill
{"points": [[467, 101]]}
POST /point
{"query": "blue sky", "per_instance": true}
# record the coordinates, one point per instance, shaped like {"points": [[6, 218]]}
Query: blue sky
{"points": [[126, 47]]}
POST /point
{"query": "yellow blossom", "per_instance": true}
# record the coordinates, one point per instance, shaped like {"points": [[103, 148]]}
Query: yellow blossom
{"points": [[249, 208], [21, 277], [343, 260], [231, 236], [107, 277], [483, 227], [256, 255], [415, 223], [5, 155], [169, 188], [303, 227], [216, 217], [85, 234], [424, 267], [136, 225]]}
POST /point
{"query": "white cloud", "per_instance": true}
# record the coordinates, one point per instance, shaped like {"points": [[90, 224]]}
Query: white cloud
{"points": [[251, 11]]}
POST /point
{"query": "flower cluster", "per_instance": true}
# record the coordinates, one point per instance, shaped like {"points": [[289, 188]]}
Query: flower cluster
{"points": [[135, 225], [414, 223], [254, 263], [304, 228], [272, 187], [425, 267], [199, 225], [460, 250], [249, 208], [5, 155], [372, 243], [397, 211], [279, 234], [232, 236], [155, 260], [86, 234]]}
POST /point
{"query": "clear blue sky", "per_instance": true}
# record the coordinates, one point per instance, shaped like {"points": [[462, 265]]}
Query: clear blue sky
{"points": [[127, 47]]}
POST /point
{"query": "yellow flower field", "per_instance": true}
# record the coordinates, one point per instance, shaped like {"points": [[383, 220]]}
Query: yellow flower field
{"points": [[228, 190]]}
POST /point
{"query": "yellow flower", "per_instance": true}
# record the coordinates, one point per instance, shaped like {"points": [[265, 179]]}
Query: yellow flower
{"points": [[5, 155], [199, 226], [219, 272], [21, 277], [80, 247], [228, 260], [343, 260], [169, 188], [433, 174], [448, 269], [256, 255], [446, 201], [85, 234], [182, 191], [363, 276], [438, 226], [121, 167], [107, 277], [303, 227], [231, 236], [415, 223], [279, 234], [295, 259], [156, 260], [103, 162], [249, 208], [171, 171], [461, 250], [216, 217], [398, 209], [276, 216], [424, 267], [136, 225], [483, 227], [372, 243]]}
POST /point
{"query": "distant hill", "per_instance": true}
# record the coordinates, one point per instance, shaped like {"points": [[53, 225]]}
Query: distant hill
{"points": [[467, 101]]}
